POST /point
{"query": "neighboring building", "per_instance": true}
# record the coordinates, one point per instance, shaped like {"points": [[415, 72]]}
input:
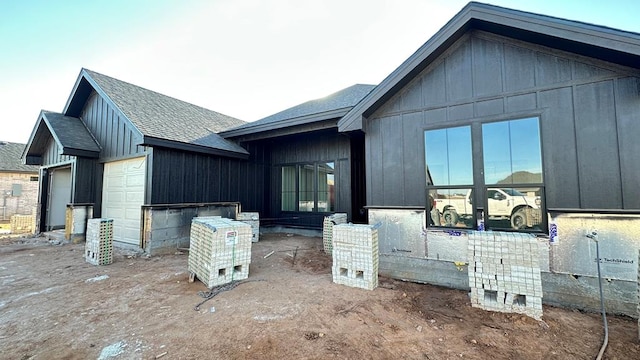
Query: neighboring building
{"points": [[311, 169], [117, 146], [18, 182]]}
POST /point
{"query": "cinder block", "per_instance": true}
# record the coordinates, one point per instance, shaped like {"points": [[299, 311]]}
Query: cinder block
{"points": [[327, 230], [22, 224], [506, 264], [253, 219], [220, 250], [355, 255], [99, 242]]}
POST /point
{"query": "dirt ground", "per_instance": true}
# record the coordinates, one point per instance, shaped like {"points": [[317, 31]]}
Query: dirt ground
{"points": [[54, 305]]}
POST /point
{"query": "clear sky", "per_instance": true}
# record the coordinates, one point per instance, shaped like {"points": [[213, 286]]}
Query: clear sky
{"points": [[243, 58]]}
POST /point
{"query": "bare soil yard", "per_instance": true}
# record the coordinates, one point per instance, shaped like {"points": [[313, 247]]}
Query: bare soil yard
{"points": [[54, 305]]}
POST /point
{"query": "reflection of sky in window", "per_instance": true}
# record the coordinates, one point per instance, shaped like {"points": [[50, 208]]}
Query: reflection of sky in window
{"points": [[448, 156], [510, 147]]}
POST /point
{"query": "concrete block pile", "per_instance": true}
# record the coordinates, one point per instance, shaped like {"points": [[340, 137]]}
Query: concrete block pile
{"points": [[253, 219], [98, 248], [327, 229], [355, 256], [22, 224], [219, 251], [504, 273]]}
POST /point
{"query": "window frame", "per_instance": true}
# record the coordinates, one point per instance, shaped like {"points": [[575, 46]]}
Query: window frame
{"points": [[479, 199], [315, 188], [431, 201]]}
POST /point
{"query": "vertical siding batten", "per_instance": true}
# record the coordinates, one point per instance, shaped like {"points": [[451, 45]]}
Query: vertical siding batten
{"points": [[628, 116], [594, 111], [414, 176]]}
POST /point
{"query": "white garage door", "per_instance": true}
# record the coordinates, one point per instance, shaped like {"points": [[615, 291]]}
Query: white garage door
{"points": [[122, 197]]}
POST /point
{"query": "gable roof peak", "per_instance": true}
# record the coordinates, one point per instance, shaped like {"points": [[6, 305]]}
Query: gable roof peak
{"points": [[598, 42], [158, 119]]}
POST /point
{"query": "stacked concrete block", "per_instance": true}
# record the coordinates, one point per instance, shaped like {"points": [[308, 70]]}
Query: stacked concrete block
{"points": [[98, 248], [253, 219], [219, 251], [355, 255], [504, 273], [23, 224], [327, 230]]}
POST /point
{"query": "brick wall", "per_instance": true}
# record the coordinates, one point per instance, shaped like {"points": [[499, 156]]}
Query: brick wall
{"points": [[25, 203]]}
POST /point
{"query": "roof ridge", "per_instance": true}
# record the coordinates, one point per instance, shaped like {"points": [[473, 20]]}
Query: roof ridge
{"points": [[92, 73], [549, 17]]}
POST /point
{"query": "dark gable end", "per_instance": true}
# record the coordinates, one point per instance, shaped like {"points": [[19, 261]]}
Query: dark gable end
{"points": [[69, 133], [615, 46], [161, 120]]}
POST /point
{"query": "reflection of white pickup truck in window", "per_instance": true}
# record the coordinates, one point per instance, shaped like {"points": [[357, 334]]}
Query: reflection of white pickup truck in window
{"points": [[504, 204]]}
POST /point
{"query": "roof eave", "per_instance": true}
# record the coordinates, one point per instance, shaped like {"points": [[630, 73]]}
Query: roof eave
{"points": [[313, 127], [80, 153], [40, 125], [32, 159], [152, 141], [5, 171], [297, 121]]}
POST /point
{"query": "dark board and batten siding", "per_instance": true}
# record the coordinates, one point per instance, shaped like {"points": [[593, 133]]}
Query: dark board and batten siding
{"points": [[83, 172], [84, 187], [185, 177], [112, 131], [324, 146], [53, 156], [588, 113], [116, 139]]}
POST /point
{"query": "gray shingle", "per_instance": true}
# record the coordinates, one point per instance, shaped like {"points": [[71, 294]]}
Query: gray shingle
{"points": [[10, 158], [163, 117], [343, 99], [71, 132]]}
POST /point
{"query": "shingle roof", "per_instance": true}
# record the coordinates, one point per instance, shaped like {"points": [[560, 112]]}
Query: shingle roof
{"points": [[162, 117], [10, 158], [70, 132], [309, 111]]}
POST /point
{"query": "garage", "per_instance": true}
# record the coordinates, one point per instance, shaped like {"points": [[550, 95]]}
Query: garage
{"points": [[122, 197]]}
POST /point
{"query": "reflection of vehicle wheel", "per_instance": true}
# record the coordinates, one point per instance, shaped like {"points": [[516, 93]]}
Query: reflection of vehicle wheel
{"points": [[450, 217], [519, 219]]}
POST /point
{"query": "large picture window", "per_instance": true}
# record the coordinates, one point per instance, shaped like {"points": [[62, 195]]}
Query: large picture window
{"points": [[308, 187], [511, 186], [449, 161], [513, 174]]}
